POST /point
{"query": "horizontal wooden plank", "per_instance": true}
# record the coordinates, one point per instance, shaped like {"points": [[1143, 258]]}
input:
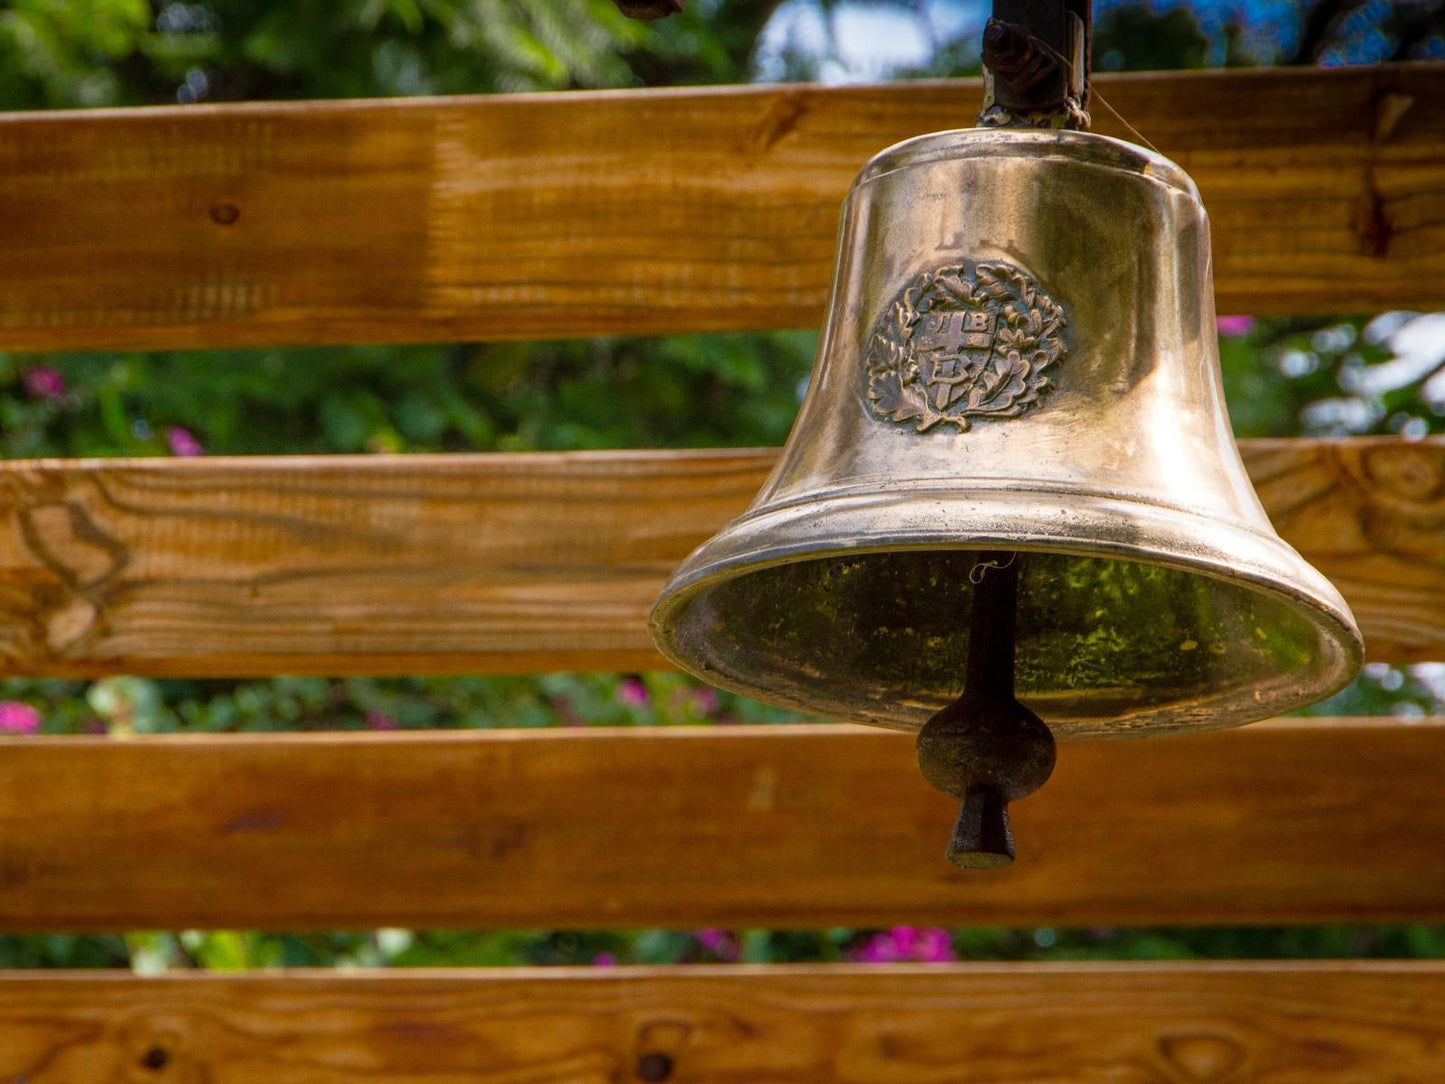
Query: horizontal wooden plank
{"points": [[1195, 1023], [643, 212], [523, 563], [784, 827], [1370, 515]]}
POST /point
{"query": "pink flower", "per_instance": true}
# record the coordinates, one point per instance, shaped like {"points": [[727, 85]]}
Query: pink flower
{"points": [[718, 942], [379, 720], [934, 946], [877, 950], [632, 693], [18, 718], [904, 941], [705, 700], [1235, 325], [931, 946], [183, 442], [604, 959], [44, 383]]}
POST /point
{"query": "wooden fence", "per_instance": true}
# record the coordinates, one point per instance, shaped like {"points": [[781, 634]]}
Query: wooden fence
{"points": [[641, 213]]}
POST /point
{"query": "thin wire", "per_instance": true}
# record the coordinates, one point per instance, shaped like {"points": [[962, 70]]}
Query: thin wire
{"points": [[982, 568], [1094, 93], [1140, 136]]}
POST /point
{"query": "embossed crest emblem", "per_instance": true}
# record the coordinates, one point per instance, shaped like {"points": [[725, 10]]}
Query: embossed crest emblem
{"points": [[970, 340]]}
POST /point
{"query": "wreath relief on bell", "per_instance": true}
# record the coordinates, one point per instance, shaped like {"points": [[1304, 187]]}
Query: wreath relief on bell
{"points": [[970, 340]]}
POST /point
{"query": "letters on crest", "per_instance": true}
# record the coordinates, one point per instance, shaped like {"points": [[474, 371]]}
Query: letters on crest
{"points": [[970, 340]]}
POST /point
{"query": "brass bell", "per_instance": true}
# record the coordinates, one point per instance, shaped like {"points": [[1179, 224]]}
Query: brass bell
{"points": [[1013, 466]]}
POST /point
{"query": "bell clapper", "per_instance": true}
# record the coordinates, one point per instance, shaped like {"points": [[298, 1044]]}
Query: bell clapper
{"points": [[986, 749]]}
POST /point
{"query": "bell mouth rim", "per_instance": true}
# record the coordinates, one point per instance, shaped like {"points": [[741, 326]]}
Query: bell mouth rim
{"points": [[1271, 568], [1089, 148]]}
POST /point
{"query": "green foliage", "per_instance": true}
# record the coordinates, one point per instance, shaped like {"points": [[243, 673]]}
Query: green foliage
{"points": [[122, 706], [693, 391], [1323, 378], [63, 950], [317, 48], [64, 52], [58, 53], [70, 53], [227, 950], [1139, 38], [1407, 692]]}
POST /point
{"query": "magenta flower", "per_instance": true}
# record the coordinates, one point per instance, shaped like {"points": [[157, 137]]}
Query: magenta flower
{"points": [[183, 442], [379, 720], [705, 700], [632, 693], [44, 383], [18, 718], [1234, 326], [604, 959], [718, 942], [878, 949], [934, 946], [906, 943]]}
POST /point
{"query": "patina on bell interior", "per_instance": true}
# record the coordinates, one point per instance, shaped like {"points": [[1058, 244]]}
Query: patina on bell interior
{"points": [[1013, 477]]}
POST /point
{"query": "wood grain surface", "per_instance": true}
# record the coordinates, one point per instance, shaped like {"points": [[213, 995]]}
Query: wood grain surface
{"points": [[523, 562], [1278, 1023], [643, 212], [783, 827]]}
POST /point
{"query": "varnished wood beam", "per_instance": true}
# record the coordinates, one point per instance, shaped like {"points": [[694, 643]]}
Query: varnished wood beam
{"points": [[1329, 1023], [782, 827], [644, 212], [523, 563]]}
